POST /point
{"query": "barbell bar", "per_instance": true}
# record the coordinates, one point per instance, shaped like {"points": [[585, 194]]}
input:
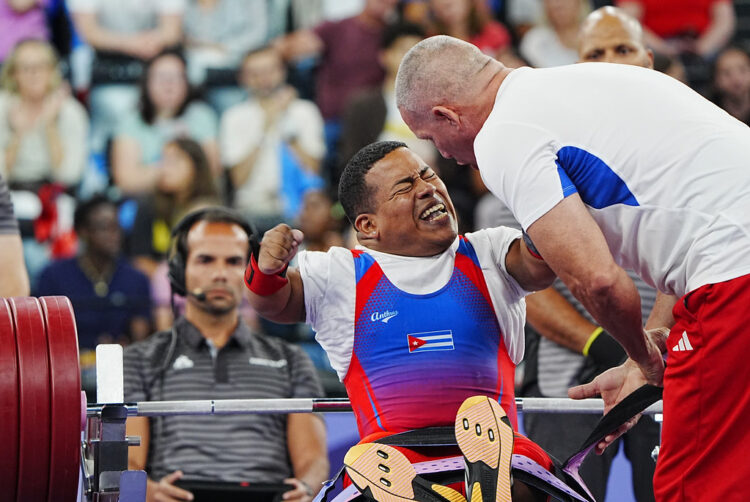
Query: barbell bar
{"points": [[42, 410], [309, 405]]}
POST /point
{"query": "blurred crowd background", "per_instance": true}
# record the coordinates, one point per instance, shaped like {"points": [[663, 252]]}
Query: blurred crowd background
{"points": [[118, 117]]}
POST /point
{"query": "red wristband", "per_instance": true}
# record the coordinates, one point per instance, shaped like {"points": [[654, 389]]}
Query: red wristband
{"points": [[263, 284]]}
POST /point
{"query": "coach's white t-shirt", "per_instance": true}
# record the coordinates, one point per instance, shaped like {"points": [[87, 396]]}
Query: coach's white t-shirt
{"points": [[664, 172], [330, 289]]}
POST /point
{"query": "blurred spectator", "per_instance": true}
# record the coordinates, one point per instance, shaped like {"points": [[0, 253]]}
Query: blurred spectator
{"points": [[672, 66], [42, 128], [27, 17], [218, 33], [372, 115], [610, 35], [692, 31], [463, 19], [167, 110], [348, 62], [675, 27], [272, 144], [522, 15], [110, 298], [124, 34], [555, 42], [184, 183], [316, 220], [348, 51], [306, 14], [732, 82], [42, 149]]}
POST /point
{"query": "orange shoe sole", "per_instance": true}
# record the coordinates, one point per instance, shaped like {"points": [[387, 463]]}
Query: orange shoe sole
{"points": [[485, 437], [384, 474]]}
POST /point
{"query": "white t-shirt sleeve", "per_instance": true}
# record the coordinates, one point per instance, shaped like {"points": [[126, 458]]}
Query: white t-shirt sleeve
{"points": [[330, 290], [513, 157], [491, 246]]}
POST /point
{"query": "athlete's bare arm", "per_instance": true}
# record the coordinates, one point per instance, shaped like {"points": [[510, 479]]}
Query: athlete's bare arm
{"points": [[287, 305], [532, 274]]}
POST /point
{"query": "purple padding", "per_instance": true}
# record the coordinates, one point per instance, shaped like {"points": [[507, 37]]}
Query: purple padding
{"points": [[574, 463], [348, 493], [519, 462], [442, 465], [527, 465]]}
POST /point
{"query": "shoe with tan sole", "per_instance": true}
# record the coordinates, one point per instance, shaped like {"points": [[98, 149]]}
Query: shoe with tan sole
{"points": [[485, 437], [383, 473]]}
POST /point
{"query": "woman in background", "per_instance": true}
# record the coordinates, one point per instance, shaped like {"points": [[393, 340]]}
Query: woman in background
{"points": [[43, 130], [555, 42], [184, 182], [167, 110]]}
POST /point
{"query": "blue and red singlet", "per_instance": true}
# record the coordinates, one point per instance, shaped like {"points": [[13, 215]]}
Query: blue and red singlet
{"points": [[416, 358]]}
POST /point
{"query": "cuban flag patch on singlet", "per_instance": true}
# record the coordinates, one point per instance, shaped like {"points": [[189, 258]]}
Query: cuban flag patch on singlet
{"points": [[430, 340]]}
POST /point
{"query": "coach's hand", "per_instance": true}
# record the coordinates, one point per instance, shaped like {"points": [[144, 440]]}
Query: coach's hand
{"points": [[278, 247], [165, 491], [613, 386]]}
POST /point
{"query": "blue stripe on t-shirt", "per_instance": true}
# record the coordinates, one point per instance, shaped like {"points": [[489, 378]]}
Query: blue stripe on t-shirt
{"points": [[597, 184]]}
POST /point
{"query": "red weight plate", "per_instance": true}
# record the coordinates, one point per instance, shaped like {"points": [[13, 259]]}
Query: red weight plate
{"points": [[34, 417], [8, 403], [65, 403]]}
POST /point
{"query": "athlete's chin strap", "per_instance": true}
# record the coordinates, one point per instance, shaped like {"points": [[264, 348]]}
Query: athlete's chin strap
{"points": [[566, 486]]}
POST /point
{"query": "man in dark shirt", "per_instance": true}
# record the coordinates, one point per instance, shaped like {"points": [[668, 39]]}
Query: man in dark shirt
{"points": [[111, 299], [210, 353]]}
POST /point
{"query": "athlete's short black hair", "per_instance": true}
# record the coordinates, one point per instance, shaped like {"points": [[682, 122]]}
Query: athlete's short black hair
{"points": [[354, 194]]}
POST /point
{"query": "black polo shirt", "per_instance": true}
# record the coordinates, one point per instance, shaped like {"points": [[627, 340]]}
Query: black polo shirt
{"points": [[214, 447]]}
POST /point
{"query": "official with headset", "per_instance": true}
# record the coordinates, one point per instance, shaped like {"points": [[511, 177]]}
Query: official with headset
{"points": [[210, 353]]}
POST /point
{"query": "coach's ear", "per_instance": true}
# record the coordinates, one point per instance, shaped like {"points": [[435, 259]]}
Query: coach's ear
{"points": [[366, 225], [444, 113]]}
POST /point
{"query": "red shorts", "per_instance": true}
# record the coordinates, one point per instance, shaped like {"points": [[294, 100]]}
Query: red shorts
{"points": [[705, 449]]}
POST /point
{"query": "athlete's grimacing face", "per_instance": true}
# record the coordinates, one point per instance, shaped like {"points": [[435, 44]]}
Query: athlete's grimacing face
{"points": [[413, 213]]}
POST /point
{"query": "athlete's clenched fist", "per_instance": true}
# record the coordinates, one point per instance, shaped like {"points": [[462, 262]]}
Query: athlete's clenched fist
{"points": [[278, 247]]}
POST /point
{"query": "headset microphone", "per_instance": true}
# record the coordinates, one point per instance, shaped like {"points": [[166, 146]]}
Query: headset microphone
{"points": [[198, 294]]}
